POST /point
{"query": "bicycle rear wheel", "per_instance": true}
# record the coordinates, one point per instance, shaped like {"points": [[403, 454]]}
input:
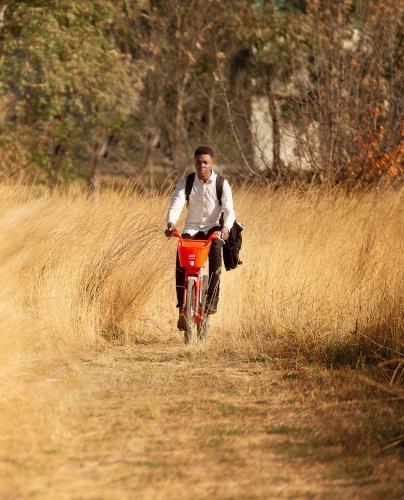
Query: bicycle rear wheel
{"points": [[203, 326], [189, 310]]}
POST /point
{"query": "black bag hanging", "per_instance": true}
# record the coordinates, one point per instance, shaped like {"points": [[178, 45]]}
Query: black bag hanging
{"points": [[231, 247]]}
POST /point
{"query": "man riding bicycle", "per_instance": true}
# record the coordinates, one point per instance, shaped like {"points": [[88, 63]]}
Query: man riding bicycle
{"points": [[204, 217]]}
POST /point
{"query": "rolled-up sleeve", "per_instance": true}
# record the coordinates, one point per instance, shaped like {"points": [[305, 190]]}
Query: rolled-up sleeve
{"points": [[177, 202], [227, 205]]}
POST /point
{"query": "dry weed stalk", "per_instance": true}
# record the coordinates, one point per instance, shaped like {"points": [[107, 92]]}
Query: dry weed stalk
{"points": [[322, 276]]}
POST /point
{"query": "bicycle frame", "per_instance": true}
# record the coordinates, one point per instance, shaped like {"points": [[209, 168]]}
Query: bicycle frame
{"points": [[193, 255]]}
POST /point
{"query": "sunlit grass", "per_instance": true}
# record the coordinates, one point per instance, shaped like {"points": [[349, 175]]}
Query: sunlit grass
{"points": [[322, 276], [95, 377]]}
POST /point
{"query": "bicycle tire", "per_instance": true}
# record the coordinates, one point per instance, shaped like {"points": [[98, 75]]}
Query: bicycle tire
{"points": [[203, 326], [205, 286], [189, 310]]}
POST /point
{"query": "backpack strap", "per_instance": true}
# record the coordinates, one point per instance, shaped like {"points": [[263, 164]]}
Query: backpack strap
{"points": [[188, 185], [219, 188]]}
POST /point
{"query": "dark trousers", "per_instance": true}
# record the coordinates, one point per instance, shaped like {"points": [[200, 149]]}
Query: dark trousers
{"points": [[215, 267]]}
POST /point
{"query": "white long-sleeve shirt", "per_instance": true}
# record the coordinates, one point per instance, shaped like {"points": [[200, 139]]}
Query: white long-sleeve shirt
{"points": [[204, 209]]}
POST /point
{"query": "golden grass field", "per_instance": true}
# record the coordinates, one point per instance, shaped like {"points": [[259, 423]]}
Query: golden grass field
{"points": [[296, 394]]}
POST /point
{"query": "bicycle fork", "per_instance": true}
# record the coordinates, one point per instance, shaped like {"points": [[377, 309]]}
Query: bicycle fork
{"points": [[198, 298]]}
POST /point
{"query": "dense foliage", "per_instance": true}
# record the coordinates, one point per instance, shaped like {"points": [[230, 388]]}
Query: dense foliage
{"points": [[128, 86]]}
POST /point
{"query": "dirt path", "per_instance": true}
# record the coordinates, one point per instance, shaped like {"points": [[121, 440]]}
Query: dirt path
{"points": [[162, 421]]}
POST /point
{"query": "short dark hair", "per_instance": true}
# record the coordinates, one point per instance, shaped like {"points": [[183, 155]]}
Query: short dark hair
{"points": [[203, 150]]}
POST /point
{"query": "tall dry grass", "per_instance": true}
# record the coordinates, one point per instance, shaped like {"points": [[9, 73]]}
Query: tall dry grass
{"points": [[322, 276]]}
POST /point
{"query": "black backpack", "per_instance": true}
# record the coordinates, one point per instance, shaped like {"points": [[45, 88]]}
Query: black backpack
{"points": [[232, 246], [190, 182]]}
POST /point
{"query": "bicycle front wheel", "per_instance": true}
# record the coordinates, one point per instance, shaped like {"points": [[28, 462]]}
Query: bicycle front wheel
{"points": [[189, 310], [203, 328]]}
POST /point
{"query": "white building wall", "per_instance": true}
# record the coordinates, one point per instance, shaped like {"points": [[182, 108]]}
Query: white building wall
{"points": [[292, 154]]}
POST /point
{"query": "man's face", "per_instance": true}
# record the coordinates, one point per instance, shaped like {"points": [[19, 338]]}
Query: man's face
{"points": [[203, 166]]}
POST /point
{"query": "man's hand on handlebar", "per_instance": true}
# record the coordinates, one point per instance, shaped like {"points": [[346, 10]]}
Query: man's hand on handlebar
{"points": [[170, 229]]}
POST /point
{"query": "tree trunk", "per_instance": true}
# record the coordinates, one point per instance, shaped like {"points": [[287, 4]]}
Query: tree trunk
{"points": [[148, 159], [179, 131], [94, 179], [211, 116], [3, 9], [276, 136]]}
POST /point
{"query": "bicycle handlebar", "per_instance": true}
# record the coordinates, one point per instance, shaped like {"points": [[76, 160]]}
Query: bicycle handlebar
{"points": [[217, 235]]}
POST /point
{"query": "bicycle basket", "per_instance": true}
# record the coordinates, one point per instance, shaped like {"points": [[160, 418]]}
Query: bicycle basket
{"points": [[193, 253]]}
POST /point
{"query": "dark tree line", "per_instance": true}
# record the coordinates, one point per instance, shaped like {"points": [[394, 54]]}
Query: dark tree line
{"points": [[278, 88]]}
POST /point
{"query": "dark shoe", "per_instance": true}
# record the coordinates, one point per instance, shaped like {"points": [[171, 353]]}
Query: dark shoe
{"points": [[212, 307], [182, 322]]}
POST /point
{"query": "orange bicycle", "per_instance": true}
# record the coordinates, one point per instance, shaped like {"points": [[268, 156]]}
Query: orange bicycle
{"points": [[193, 255]]}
